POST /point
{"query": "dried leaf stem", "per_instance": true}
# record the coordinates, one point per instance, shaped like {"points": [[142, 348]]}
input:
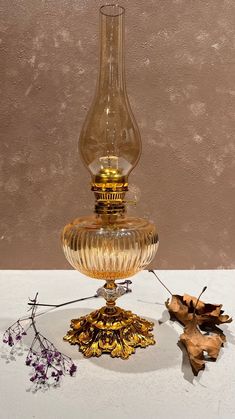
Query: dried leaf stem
{"points": [[203, 290], [160, 281]]}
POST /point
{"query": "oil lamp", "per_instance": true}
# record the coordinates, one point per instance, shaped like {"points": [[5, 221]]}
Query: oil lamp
{"points": [[109, 245]]}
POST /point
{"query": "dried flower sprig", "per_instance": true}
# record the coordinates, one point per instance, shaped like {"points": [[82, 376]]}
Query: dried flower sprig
{"points": [[48, 364], [14, 333]]}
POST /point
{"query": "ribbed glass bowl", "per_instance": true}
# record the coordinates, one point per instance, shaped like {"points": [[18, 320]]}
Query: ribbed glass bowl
{"points": [[113, 250]]}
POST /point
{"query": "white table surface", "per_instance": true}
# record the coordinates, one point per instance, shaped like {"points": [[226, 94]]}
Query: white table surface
{"points": [[153, 383]]}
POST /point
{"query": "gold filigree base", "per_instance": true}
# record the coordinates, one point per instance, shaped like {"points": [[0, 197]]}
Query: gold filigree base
{"points": [[110, 330]]}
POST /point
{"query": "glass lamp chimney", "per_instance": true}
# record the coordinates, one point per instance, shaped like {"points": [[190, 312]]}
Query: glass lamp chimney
{"points": [[109, 142]]}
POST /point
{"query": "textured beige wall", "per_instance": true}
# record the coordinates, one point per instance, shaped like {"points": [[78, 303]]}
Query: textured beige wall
{"points": [[180, 65]]}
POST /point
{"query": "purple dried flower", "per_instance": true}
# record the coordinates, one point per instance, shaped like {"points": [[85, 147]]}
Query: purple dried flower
{"points": [[72, 370], [10, 340], [50, 358], [18, 337], [40, 368]]}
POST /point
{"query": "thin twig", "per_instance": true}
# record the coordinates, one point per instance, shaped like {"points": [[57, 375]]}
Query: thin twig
{"points": [[33, 303], [63, 304], [161, 281], [33, 322]]}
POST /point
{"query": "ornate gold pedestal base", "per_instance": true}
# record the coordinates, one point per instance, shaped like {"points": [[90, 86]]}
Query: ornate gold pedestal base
{"points": [[110, 330]]}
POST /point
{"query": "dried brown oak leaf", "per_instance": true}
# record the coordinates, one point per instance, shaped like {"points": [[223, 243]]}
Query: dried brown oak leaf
{"points": [[181, 308], [197, 343], [206, 316]]}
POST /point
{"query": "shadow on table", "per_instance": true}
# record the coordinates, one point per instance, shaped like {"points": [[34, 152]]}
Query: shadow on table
{"points": [[164, 354]]}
